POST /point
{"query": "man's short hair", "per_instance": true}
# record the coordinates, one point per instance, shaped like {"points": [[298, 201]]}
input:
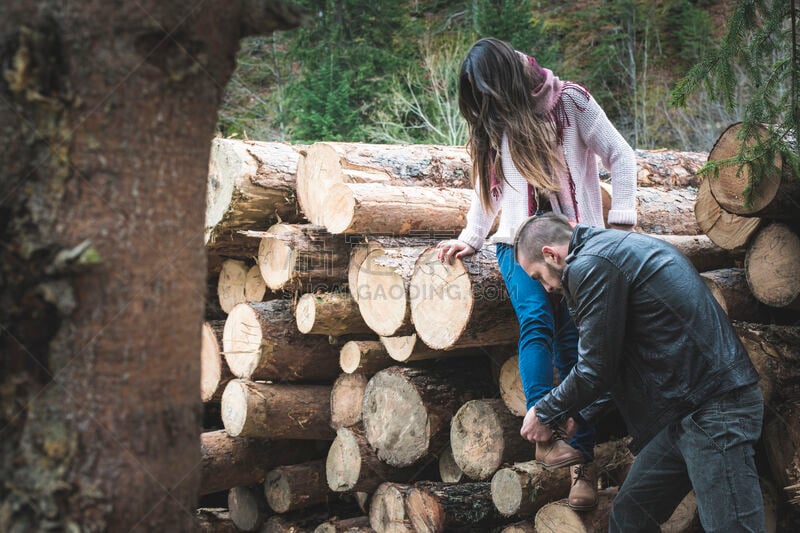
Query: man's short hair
{"points": [[541, 230]]}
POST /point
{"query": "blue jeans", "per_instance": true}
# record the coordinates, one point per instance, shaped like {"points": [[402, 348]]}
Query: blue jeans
{"points": [[545, 330], [710, 450]]}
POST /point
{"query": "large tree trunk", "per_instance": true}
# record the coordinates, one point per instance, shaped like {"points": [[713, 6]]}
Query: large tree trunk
{"points": [[484, 435], [435, 507], [728, 231], [776, 195], [773, 266], [108, 110], [326, 164]]}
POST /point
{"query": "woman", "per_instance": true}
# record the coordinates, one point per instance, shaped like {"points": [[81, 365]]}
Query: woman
{"points": [[533, 140]]}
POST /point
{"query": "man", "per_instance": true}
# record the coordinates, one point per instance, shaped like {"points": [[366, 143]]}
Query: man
{"points": [[652, 334]]}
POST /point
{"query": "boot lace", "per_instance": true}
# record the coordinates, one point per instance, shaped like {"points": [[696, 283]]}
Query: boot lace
{"points": [[580, 473]]}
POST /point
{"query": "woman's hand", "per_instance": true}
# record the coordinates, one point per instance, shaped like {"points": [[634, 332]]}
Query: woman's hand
{"points": [[446, 250]]}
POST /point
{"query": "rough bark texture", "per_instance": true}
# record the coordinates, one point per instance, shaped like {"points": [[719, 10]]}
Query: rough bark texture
{"points": [[108, 109], [728, 231], [329, 313], [270, 411], [387, 511], [484, 435], [364, 357], [667, 168], [522, 489], [510, 384], [236, 461], [558, 516], [666, 211], [701, 252], [435, 507], [247, 508], [775, 352], [328, 163], [461, 305], [215, 521], [347, 395], [261, 342], [357, 524], [214, 371], [773, 266], [407, 411], [292, 487], [302, 257], [776, 195], [251, 185], [729, 287]]}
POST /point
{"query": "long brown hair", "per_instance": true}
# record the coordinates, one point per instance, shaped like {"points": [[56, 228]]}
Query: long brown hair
{"points": [[495, 97]]}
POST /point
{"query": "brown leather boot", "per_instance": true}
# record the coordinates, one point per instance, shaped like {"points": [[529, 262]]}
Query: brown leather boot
{"points": [[556, 453], [583, 494]]}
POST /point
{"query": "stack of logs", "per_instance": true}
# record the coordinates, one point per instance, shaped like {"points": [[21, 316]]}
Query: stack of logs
{"points": [[364, 386]]}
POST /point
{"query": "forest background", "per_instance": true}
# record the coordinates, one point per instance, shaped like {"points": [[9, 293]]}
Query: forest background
{"points": [[387, 71]]}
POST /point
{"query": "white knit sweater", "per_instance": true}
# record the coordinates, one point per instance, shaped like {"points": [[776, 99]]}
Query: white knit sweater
{"points": [[589, 132]]}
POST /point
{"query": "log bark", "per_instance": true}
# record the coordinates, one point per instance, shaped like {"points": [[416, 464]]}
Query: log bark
{"points": [[773, 266], [702, 253], [510, 384], [522, 489], [214, 371], [729, 287], [726, 230], [407, 411], [261, 342], [353, 465], [408, 348], [484, 435], [520, 527], [399, 165], [385, 274], [302, 257], [558, 516], [303, 521], [461, 305], [364, 357], [293, 487], [250, 185], [347, 395], [214, 521], [271, 411], [357, 524], [449, 471], [776, 195], [238, 461], [665, 211], [435, 507], [377, 208], [329, 313], [664, 168], [387, 511], [775, 352], [247, 508]]}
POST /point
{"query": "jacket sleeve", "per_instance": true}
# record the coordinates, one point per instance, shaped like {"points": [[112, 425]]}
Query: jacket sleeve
{"points": [[600, 293], [479, 221], [602, 138]]}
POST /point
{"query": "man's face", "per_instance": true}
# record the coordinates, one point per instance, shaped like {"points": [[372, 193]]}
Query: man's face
{"points": [[548, 275]]}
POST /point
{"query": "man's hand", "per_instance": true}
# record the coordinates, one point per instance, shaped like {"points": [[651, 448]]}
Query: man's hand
{"points": [[446, 250], [534, 431]]}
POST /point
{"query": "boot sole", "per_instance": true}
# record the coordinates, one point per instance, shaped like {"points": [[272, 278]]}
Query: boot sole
{"points": [[562, 464]]}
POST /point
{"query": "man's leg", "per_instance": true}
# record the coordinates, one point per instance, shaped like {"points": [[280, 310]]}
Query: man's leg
{"points": [[717, 443], [656, 484]]}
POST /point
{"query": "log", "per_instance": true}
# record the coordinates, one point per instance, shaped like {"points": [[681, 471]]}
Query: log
{"points": [[214, 371], [726, 230], [261, 342], [449, 471], [304, 521], [293, 487], [353, 465], [772, 265], [558, 516], [238, 461], [364, 357], [231, 284], [701, 252], [510, 384], [378, 208], [484, 435], [775, 352], [776, 195], [357, 524], [328, 163], [358, 253], [385, 274], [247, 508], [662, 210], [255, 288], [250, 185], [387, 511], [729, 288], [523, 488], [407, 411], [329, 313], [408, 348], [461, 305], [276, 411], [434, 507], [347, 395], [302, 257], [665, 168], [520, 527], [214, 521], [685, 518]]}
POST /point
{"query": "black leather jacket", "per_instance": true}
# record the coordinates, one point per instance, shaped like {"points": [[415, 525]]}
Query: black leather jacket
{"points": [[650, 332]]}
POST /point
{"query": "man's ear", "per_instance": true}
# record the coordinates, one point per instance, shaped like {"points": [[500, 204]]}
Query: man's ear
{"points": [[550, 255]]}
